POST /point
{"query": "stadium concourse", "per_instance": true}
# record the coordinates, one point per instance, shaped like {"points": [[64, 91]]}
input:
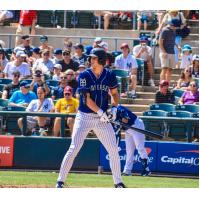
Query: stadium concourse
{"points": [[55, 55]]}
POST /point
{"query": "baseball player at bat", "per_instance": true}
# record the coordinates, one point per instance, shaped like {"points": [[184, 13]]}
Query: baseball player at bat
{"points": [[133, 139], [94, 85]]}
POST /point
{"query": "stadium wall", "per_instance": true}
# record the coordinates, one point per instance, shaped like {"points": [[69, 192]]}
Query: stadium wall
{"points": [[48, 152]]}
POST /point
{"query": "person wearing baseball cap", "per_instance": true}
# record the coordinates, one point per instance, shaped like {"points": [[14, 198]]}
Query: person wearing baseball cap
{"points": [[144, 51], [23, 96], [164, 95], [71, 106], [57, 56], [186, 56], [18, 65], [57, 72], [126, 61], [79, 55]]}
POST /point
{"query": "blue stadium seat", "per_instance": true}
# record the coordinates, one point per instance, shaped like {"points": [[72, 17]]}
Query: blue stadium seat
{"points": [[1, 87], [188, 107], [168, 107], [5, 80], [195, 115], [178, 92], [116, 53], [180, 114], [52, 83], [14, 108], [28, 80], [3, 103], [156, 113]]}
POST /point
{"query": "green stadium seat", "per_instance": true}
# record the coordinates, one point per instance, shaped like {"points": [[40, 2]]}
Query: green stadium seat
{"points": [[3, 102], [52, 83], [28, 80], [195, 115], [140, 71], [180, 114], [116, 53], [5, 80], [156, 113], [178, 92], [14, 108], [123, 79], [163, 106], [188, 107]]}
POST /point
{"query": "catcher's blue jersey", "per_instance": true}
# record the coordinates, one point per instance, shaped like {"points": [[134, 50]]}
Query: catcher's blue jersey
{"points": [[97, 87], [123, 112]]}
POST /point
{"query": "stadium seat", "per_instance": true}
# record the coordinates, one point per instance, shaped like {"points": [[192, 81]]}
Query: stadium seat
{"points": [[52, 83], [195, 115], [3, 103], [163, 106], [123, 79], [180, 114], [116, 53], [5, 80], [188, 107], [14, 108], [156, 113], [178, 92], [28, 80], [140, 71]]}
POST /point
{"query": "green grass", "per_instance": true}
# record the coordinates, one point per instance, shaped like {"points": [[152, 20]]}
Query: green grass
{"points": [[48, 179]]}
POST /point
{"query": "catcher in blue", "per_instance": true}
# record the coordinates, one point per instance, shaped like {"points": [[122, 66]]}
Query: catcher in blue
{"points": [[133, 139], [94, 86]]}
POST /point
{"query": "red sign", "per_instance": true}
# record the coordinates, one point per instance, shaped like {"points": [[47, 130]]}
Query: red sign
{"points": [[6, 151]]}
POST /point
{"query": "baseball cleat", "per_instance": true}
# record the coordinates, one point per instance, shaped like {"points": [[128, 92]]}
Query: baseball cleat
{"points": [[126, 174], [145, 172], [120, 185], [59, 184]]}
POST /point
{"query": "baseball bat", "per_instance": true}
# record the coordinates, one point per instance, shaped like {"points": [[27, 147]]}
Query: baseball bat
{"points": [[145, 132]]}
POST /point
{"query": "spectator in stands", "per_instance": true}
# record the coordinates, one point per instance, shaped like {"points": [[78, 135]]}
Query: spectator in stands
{"points": [[126, 61], [5, 15], [57, 92], [3, 62], [144, 52], [45, 45], [71, 80], [185, 79], [107, 16], [57, 56], [167, 43], [143, 17], [66, 105], [164, 95], [12, 87], [68, 44], [79, 55], [160, 14], [44, 64], [36, 54], [38, 81], [194, 69], [186, 57], [179, 22], [18, 65], [109, 60], [23, 96], [57, 72], [99, 43], [27, 23], [67, 62], [28, 49], [191, 96], [42, 104]]}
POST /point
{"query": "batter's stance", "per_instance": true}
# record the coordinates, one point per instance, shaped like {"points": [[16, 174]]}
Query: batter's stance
{"points": [[133, 139], [93, 86]]}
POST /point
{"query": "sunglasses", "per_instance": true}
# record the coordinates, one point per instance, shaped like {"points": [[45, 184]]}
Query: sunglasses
{"points": [[193, 85], [67, 94], [70, 74], [66, 54], [63, 77], [46, 54], [16, 76]]}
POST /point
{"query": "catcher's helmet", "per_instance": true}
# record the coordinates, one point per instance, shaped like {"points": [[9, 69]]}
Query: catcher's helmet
{"points": [[100, 54]]}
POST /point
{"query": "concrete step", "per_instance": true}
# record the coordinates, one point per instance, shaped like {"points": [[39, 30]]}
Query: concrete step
{"points": [[172, 82], [146, 95], [176, 71], [194, 29], [137, 101], [140, 88], [138, 113], [194, 23], [192, 36], [174, 76], [193, 43], [136, 108]]}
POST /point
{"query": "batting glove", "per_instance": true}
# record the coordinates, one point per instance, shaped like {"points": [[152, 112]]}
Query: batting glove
{"points": [[113, 113], [103, 116]]}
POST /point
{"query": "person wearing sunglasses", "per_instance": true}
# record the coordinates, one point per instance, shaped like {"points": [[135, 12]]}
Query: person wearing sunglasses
{"points": [[57, 92], [191, 96], [66, 105], [12, 87], [185, 79], [67, 62]]}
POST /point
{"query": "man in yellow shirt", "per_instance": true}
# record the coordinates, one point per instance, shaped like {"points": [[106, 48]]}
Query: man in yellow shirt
{"points": [[66, 105]]}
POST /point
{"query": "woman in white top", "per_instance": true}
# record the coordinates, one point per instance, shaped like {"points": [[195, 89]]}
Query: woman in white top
{"points": [[42, 104]]}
